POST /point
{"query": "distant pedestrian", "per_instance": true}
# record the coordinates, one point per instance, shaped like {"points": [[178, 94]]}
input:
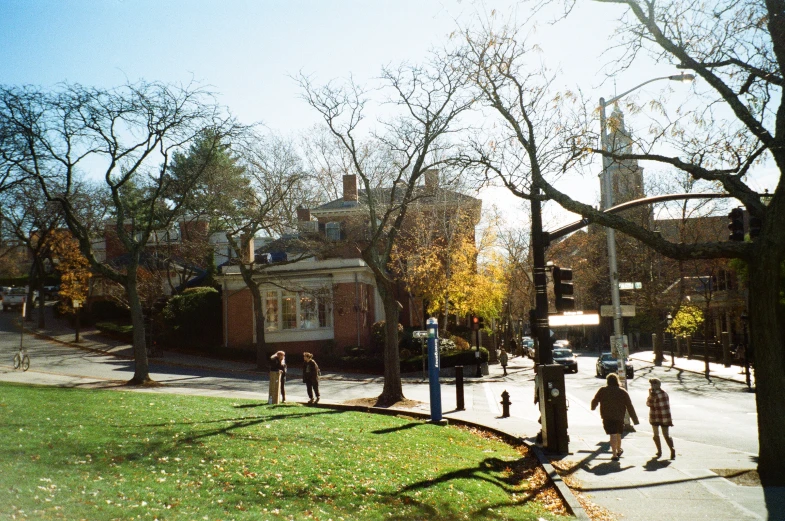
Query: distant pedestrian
{"points": [[660, 416], [278, 363], [503, 361], [514, 348], [311, 376], [614, 402]]}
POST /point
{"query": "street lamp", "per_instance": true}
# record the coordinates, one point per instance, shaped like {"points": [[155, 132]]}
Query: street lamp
{"points": [[610, 232]]}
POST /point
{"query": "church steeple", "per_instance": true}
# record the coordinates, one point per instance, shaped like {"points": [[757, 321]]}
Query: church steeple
{"points": [[626, 174]]}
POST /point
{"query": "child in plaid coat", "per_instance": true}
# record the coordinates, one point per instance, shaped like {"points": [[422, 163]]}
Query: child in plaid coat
{"points": [[660, 416]]}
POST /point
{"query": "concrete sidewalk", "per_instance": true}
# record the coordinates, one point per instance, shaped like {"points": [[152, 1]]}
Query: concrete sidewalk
{"points": [[634, 488]]}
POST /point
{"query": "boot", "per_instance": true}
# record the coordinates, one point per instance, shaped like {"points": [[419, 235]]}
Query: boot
{"points": [[669, 441], [658, 444]]}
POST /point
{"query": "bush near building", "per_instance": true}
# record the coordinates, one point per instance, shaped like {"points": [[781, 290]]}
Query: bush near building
{"points": [[192, 319]]}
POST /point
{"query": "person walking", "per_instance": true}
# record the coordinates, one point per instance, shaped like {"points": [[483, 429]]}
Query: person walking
{"points": [[278, 363], [660, 415], [503, 361], [614, 402], [311, 376]]}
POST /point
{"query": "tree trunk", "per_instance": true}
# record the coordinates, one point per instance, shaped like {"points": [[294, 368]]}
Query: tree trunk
{"points": [[262, 362], [392, 391], [769, 362], [141, 365]]}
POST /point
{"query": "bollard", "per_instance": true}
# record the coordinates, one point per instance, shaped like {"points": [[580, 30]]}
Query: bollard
{"points": [[459, 403], [505, 404]]}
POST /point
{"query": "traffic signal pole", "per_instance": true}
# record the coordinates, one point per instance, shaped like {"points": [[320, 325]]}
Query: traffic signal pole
{"points": [[549, 380]]}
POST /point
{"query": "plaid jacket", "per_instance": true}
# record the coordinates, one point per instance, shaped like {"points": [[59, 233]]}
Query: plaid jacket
{"points": [[659, 408]]}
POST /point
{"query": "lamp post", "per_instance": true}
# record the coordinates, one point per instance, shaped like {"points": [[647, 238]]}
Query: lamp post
{"points": [[669, 320], [610, 232]]}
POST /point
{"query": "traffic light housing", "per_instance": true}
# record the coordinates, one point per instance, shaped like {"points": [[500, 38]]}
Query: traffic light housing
{"points": [[563, 289], [755, 225], [736, 225], [477, 323]]}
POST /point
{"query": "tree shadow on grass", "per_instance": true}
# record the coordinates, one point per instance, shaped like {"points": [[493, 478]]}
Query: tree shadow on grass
{"points": [[403, 427], [508, 476]]}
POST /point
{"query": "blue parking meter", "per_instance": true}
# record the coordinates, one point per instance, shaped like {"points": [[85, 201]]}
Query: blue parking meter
{"points": [[433, 369]]}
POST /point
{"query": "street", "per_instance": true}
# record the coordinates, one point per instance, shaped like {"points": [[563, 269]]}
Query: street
{"points": [[719, 413]]}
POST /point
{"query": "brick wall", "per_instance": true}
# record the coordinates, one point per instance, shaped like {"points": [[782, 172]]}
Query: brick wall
{"points": [[239, 320]]}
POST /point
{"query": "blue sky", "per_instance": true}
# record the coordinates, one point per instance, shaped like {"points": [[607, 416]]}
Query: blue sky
{"points": [[246, 50]]}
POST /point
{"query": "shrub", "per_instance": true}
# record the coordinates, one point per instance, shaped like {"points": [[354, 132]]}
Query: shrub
{"points": [[122, 332], [193, 319], [108, 310], [378, 334], [405, 354], [460, 343]]}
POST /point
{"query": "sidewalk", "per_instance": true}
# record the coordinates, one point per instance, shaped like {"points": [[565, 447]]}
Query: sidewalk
{"points": [[634, 488]]}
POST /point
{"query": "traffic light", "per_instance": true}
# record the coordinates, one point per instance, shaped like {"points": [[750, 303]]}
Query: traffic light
{"points": [[477, 323], [756, 224], [562, 287], [736, 225]]}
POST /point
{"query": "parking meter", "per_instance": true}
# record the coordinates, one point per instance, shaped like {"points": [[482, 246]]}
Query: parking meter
{"points": [[553, 408]]}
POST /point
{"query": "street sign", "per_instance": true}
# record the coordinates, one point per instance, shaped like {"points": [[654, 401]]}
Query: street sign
{"points": [[630, 285], [419, 334], [626, 311], [575, 318]]}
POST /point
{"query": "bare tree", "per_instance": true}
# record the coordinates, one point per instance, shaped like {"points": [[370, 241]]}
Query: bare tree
{"points": [[737, 49], [390, 161], [127, 135], [271, 186]]}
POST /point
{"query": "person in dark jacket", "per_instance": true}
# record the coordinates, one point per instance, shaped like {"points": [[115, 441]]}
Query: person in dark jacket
{"points": [[278, 363], [660, 416], [311, 377], [614, 402]]}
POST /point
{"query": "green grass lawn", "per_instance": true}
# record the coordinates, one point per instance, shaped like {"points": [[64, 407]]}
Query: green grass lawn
{"points": [[96, 454]]}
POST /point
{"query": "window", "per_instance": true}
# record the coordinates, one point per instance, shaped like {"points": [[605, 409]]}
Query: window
{"points": [[288, 310], [271, 311], [313, 310], [333, 231], [298, 310]]}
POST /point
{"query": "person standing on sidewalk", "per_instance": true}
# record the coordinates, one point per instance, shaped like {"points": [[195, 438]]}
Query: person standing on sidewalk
{"points": [[311, 377], [278, 363], [614, 402], [503, 361], [660, 415]]}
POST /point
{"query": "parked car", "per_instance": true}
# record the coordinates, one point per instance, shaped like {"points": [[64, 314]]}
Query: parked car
{"points": [[13, 297], [528, 347], [561, 343], [566, 358], [607, 364]]}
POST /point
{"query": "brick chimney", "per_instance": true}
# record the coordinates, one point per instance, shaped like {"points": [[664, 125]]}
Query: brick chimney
{"points": [[431, 180], [303, 214], [350, 187]]}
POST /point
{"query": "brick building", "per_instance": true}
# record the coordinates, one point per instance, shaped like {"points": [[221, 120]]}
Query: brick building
{"points": [[327, 301]]}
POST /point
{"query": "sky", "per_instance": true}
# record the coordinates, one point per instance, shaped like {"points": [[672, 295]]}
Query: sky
{"points": [[248, 51]]}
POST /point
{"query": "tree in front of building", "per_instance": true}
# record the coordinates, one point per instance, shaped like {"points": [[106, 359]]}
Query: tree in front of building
{"points": [[390, 160]]}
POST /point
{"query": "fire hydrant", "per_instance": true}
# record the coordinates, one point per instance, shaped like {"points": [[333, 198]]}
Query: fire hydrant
{"points": [[505, 404]]}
